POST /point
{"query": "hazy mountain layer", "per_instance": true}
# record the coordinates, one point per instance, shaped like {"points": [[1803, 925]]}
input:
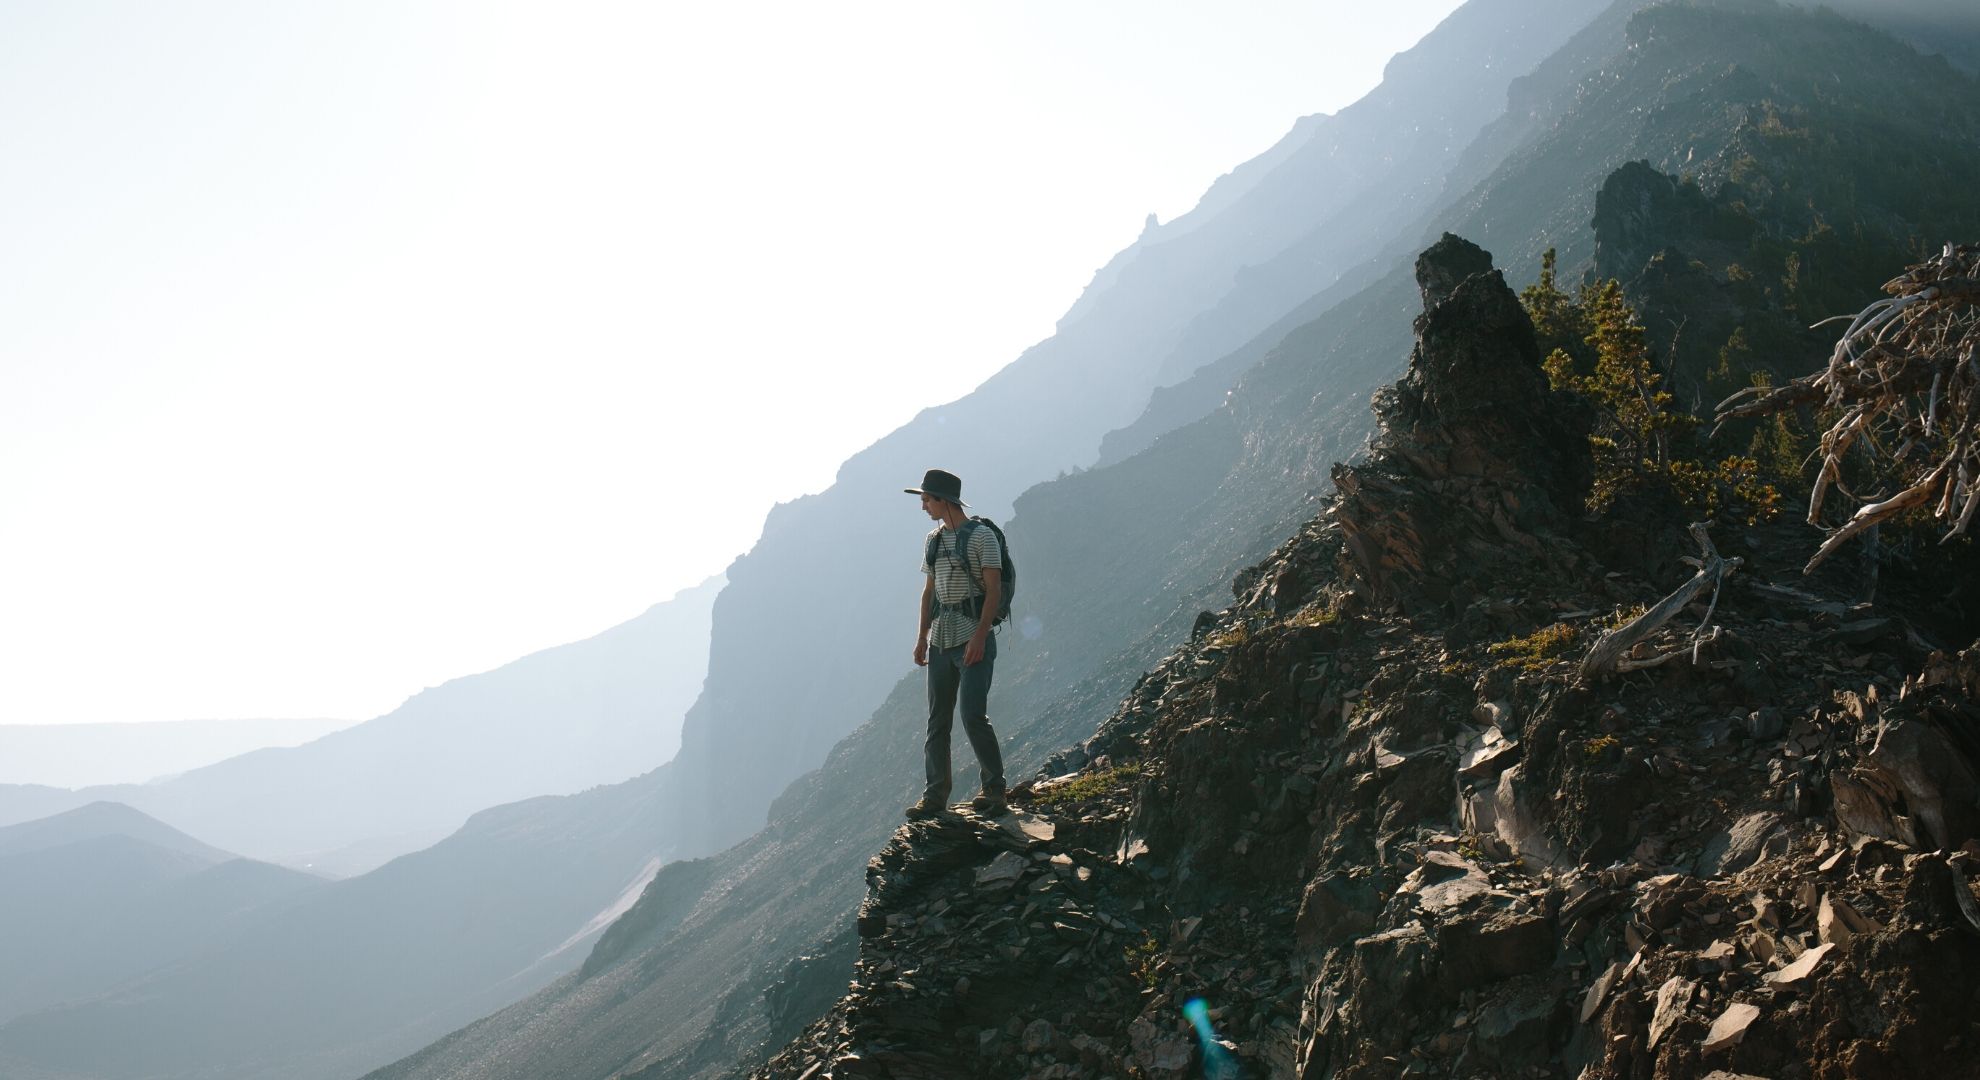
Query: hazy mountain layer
{"points": [[101, 894], [350, 973], [81, 755], [554, 722]]}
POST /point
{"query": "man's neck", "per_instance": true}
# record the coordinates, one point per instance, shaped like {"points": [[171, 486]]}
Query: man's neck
{"points": [[952, 517]]}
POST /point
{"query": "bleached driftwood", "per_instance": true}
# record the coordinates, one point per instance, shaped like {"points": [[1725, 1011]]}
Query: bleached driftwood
{"points": [[1609, 655], [1905, 373]]}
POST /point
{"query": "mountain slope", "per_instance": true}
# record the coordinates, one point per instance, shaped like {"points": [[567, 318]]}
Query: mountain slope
{"points": [[1109, 603], [554, 722]]}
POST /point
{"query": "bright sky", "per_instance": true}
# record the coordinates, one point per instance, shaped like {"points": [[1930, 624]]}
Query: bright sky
{"points": [[347, 348]]}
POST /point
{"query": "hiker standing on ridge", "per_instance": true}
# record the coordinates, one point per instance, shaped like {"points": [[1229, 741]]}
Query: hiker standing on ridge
{"points": [[961, 594]]}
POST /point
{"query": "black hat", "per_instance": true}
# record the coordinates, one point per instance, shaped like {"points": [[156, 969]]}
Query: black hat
{"points": [[942, 485]]}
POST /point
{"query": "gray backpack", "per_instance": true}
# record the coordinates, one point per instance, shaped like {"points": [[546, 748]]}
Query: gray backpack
{"points": [[973, 607]]}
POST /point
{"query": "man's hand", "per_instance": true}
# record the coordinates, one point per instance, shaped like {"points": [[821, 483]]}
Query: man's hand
{"points": [[921, 653], [974, 651]]}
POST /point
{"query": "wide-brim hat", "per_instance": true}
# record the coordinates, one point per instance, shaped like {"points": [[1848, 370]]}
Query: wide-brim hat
{"points": [[942, 485]]}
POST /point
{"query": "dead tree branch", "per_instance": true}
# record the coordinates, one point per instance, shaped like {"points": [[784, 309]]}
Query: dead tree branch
{"points": [[1905, 374], [1609, 655]]}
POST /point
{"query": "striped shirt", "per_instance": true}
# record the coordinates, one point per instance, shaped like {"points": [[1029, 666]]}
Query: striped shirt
{"points": [[953, 627]]}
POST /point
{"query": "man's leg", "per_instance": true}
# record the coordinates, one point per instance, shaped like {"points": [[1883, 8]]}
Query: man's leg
{"points": [[976, 719], [944, 674]]}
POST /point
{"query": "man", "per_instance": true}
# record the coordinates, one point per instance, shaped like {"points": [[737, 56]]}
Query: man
{"points": [[959, 602]]}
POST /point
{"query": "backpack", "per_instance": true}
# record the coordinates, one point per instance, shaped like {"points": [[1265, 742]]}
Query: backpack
{"points": [[973, 607]]}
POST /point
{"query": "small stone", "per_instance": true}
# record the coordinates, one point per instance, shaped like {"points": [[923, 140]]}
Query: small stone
{"points": [[1729, 1028], [1719, 954], [1038, 1036]]}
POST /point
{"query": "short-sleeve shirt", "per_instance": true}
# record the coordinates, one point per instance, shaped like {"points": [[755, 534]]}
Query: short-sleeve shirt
{"points": [[952, 627]]}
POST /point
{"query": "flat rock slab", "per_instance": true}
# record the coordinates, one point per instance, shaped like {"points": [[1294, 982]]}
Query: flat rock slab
{"points": [[1036, 829], [1730, 1027], [1598, 991], [1750, 837], [1801, 968], [1672, 999], [1007, 867]]}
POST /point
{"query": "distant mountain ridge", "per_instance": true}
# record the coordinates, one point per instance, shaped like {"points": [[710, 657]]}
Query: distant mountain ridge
{"points": [[554, 722], [332, 980], [86, 755], [104, 819], [101, 894]]}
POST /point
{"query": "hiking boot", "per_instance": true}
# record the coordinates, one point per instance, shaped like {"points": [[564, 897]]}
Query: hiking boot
{"points": [[924, 809], [990, 804]]}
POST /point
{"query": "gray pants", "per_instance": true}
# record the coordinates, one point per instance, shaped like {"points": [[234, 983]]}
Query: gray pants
{"points": [[947, 676]]}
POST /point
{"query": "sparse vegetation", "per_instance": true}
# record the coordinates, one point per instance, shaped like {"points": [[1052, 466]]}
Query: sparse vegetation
{"points": [[1089, 785], [1141, 961], [1623, 615], [1317, 613], [1536, 651], [1229, 639]]}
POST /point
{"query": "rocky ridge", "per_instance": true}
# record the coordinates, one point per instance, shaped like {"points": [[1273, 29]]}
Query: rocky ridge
{"points": [[1369, 821]]}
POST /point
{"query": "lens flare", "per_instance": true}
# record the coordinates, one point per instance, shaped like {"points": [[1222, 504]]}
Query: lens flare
{"points": [[1218, 1064]]}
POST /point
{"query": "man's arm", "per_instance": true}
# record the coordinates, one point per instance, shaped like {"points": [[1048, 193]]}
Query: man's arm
{"points": [[921, 636], [993, 599]]}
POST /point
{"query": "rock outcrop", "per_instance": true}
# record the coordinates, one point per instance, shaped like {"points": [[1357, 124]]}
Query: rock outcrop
{"points": [[1369, 822]]}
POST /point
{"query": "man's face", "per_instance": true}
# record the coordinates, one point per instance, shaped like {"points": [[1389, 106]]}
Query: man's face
{"points": [[932, 506]]}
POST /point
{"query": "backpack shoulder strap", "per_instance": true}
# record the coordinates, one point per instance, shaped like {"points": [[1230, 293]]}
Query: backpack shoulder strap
{"points": [[963, 533]]}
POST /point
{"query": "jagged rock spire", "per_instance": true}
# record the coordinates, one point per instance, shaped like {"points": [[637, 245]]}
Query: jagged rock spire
{"points": [[1477, 455]]}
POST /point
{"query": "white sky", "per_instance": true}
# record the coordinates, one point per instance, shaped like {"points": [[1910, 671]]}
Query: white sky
{"points": [[347, 348]]}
